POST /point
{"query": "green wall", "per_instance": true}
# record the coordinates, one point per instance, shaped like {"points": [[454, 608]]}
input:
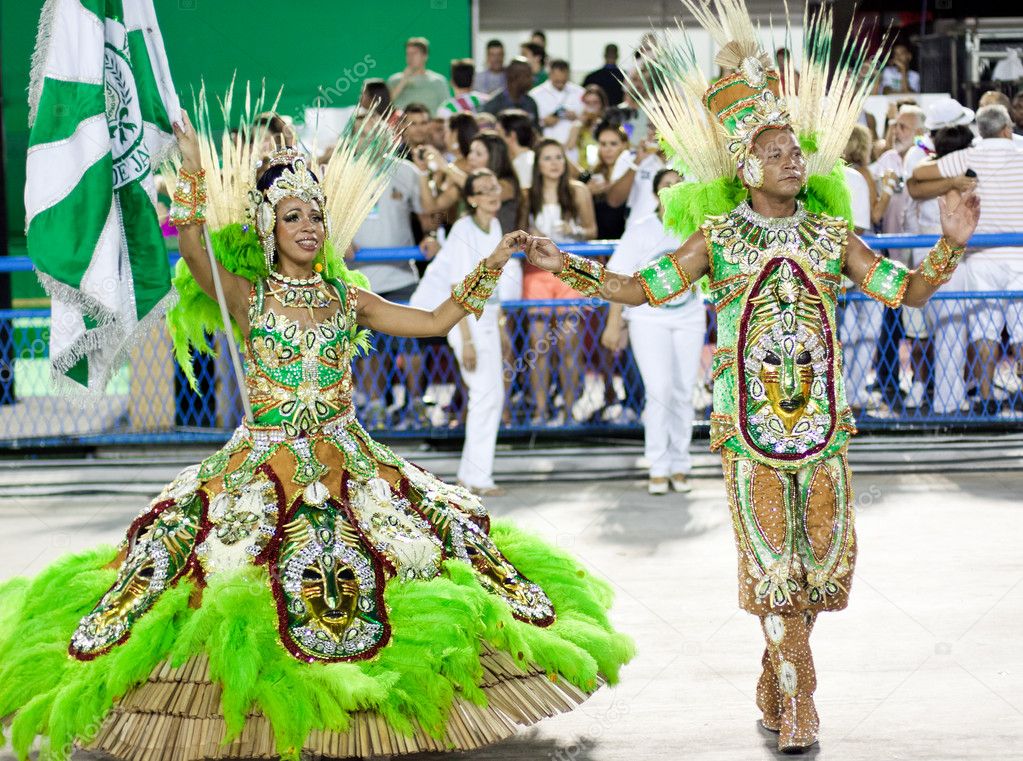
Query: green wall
{"points": [[304, 46]]}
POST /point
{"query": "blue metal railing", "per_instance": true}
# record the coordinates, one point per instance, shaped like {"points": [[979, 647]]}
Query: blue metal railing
{"points": [[413, 388]]}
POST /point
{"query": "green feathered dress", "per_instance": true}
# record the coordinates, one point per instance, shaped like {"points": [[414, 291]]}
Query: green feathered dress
{"points": [[303, 591]]}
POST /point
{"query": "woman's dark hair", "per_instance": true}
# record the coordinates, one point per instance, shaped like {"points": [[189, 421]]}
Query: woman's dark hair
{"points": [[469, 188], [465, 127], [515, 121], [266, 174], [949, 139], [660, 176], [498, 160], [375, 95], [566, 200]]}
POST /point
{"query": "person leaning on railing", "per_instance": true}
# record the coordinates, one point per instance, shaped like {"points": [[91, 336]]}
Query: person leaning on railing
{"points": [[998, 164]]}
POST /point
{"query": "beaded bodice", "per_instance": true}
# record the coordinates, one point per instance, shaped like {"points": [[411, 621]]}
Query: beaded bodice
{"points": [[778, 391], [298, 371]]}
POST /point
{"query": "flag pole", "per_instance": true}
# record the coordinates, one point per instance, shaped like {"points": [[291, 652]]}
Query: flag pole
{"points": [[231, 346]]}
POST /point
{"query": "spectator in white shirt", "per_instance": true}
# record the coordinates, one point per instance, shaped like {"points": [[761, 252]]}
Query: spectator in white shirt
{"points": [[558, 101], [477, 342], [897, 77], [642, 201], [937, 332], [998, 165], [667, 342]]}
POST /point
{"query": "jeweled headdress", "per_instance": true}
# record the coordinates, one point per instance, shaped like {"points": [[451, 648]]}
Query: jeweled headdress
{"points": [[295, 181], [708, 129]]}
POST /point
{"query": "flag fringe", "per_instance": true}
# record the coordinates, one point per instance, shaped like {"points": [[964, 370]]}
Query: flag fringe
{"points": [[40, 53]]}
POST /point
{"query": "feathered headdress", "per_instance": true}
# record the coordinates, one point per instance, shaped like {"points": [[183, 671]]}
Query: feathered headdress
{"points": [[708, 129], [240, 217]]}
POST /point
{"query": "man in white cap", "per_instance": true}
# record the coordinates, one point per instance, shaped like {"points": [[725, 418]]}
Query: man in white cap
{"points": [[938, 329], [997, 163]]}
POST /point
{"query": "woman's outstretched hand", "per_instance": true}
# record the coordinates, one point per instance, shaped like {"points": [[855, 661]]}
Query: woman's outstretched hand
{"points": [[544, 253], [510, 243]]}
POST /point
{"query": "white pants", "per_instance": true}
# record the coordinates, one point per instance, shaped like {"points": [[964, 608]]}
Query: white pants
{"points": [[668, 356], [861, 327], [998, 270], [485, 388], [944, 320]]}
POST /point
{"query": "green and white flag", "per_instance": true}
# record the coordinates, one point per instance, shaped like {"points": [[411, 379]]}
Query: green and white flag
{"points": [[101, 102]]}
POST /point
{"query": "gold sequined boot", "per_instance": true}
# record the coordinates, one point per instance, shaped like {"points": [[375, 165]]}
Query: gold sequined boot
{"points": [[788, 646], [768, 696]]}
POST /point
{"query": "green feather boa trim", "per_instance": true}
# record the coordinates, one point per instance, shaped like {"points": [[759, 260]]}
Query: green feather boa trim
{"points": [[438, 627], [196, 316], [688, 204]]}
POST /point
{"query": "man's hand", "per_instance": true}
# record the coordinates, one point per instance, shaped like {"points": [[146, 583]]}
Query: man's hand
{"points": [[962, 183], [960, 213], [544, 253], [510, 243]]}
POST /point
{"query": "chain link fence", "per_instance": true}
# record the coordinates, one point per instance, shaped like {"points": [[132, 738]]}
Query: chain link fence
{"points": [[903, 368]]}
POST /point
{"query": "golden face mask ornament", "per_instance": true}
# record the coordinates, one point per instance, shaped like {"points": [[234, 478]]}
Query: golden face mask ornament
{"points": [[328, 589], [158, 554], [785, 360], [295, 181]]}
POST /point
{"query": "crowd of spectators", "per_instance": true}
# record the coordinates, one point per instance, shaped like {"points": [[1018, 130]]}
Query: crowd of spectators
{"points": [[517, 144]]}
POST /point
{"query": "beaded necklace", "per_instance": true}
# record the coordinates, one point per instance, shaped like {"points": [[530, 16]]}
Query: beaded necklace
{"points": [[310, 292]]}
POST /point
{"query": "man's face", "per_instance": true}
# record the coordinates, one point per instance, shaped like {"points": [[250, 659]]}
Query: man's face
{"points": [[416, 129], [415, 58], [558, 78], [905, 130], [784, 165], [495, 58], [901, 54]]}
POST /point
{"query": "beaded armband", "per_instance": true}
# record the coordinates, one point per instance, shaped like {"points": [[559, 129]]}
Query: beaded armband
{"points": [[584, 275], [475, 289], [940, 262], [886, 281], [663, 280], [188, 204]]}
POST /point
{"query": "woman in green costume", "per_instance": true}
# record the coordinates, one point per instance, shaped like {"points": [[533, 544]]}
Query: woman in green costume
{"points": [[767, 219], [303, 589]]}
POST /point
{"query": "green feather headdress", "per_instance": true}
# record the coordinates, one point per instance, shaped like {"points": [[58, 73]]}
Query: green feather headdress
{"points": [[699, 124]]}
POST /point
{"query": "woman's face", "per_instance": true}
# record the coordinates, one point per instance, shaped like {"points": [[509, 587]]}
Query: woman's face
{"points": [[552, 162], [486, 194], [479, 156], [592, 103], [609, 147], [300, 231], [667, 180]]}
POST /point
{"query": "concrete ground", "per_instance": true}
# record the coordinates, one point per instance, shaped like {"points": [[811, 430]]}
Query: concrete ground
{"points": [[926, 663]]}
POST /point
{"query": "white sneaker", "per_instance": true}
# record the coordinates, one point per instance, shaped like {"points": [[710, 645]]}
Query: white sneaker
{"points": [[657, 486], [680, 483], [916, 396]]}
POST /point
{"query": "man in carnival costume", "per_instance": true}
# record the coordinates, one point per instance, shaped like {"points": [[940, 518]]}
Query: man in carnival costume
{"points": [[767, 219]]}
